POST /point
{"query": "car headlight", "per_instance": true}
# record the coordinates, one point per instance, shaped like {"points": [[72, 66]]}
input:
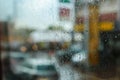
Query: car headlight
{"points": [[79, 57]]}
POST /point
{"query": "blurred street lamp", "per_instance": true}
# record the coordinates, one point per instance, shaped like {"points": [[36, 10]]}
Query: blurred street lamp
{"points": [[23, 49]]}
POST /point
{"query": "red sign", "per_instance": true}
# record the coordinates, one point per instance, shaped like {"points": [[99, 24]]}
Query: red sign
{"points": [[108, 17], [64, 13], [102, 17]]}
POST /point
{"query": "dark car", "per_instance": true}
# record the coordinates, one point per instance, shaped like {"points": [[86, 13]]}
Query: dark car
{"points": [[66, 55]]}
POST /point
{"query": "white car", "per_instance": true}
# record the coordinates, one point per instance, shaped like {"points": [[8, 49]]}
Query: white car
{"points": [[38, 69]]}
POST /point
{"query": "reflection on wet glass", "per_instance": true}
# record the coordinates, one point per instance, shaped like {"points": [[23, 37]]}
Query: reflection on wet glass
{"points": [[60, 39]]}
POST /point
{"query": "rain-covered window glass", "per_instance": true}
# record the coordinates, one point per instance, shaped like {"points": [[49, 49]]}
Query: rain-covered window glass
{"points": [[60, 39]]}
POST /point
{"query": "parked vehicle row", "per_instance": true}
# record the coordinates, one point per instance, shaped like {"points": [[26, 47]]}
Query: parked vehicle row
{"points": [[33, 68]]}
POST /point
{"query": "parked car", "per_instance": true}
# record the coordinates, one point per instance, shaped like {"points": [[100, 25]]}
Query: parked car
{"points": [[16, 58], [38, 69], [66, 55]]}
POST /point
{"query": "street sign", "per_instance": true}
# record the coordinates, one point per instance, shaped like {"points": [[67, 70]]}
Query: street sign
{"points": [[64, 14], [106, 26]]}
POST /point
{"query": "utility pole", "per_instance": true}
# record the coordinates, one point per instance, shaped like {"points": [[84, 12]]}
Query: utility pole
{"points": [[93, 33], [118, 9], [86, 29], [74, 18]]}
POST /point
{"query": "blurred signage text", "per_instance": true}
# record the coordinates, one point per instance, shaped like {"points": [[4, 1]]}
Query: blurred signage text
{"points": [[64, 14]]}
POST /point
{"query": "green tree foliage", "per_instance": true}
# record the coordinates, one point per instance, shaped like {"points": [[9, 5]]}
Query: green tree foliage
{"points": [[52, 27], [23, 32]]}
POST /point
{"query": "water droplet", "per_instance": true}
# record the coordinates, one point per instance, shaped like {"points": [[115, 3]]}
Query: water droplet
{"points": [[105, 40], [115, 36]]}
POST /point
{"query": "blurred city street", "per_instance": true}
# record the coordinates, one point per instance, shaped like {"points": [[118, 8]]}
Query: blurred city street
{"points": [[66, 71], [60, 39]]}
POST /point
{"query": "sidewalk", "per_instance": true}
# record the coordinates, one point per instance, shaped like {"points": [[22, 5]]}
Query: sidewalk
{"points": [[88, 75]]}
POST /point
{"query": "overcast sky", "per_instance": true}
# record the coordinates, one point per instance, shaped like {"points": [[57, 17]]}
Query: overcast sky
{"points": [[33, 13]]}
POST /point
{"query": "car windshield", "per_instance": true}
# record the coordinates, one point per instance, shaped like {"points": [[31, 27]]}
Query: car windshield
{"points": [[26, 64], [45, 67], [19, 59]]}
